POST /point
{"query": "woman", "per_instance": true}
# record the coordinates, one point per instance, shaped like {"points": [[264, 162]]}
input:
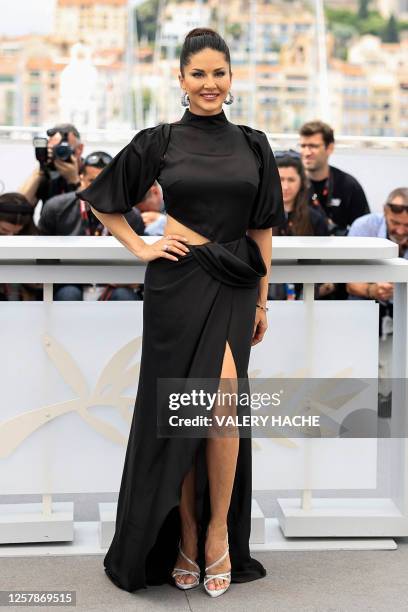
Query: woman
{"points": [[204, 305], [301, 219]]}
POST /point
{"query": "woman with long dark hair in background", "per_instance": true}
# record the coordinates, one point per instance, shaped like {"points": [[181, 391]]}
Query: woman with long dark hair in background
{"points": [[300, 218]]}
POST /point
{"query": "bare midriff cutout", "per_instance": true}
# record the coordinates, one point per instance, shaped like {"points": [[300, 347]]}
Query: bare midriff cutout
{"points": [[175, 227]]}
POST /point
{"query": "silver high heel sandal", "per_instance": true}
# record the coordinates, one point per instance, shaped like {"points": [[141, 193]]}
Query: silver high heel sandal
{"points": [[224, 576], [179, 571]]}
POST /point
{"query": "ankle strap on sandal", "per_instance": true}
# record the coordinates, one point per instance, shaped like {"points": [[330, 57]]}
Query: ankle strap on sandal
{"points": [[187, 558], [218, 560]]}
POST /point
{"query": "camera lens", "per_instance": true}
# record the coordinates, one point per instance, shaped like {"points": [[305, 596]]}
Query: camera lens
{"points": [[63, 151]]}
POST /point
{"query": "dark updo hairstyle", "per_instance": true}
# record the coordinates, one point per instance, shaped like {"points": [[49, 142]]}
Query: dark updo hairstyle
{"points": [[301, 223], [199, 39]]}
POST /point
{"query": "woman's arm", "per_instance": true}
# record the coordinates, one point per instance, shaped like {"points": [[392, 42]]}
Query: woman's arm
{"points": [[120, 228], [263, 238], [30, 186]]}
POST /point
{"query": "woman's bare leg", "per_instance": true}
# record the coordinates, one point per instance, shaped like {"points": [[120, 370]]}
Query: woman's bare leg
{"points": [[221, 456]]}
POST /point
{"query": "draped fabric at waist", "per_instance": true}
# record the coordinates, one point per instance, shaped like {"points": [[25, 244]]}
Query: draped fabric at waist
{"points": [[237, 262]]}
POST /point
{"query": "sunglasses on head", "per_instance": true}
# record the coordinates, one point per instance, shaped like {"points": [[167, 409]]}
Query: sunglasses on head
{"points": [[98, 159], [288, 153], [397, 208]]}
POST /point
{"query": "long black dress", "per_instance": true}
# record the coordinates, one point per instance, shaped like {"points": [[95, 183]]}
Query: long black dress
{"points": [[219, 179]]}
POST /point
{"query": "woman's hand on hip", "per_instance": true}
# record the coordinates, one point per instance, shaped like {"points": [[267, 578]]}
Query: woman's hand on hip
{"points": [[167, 247]]}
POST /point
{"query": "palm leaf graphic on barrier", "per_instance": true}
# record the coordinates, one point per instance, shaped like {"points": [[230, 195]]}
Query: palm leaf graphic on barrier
{"points": [[113, 380]]}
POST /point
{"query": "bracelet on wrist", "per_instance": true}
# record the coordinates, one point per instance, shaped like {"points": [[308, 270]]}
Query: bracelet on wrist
{"points": [[262, 307]]}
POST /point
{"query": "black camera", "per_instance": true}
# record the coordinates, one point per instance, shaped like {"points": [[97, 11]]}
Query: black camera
{"points": [[40, 148], [62, 150]]}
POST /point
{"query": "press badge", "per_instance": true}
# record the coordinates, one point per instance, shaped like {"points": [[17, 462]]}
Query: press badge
{"points": [[386, 326]]}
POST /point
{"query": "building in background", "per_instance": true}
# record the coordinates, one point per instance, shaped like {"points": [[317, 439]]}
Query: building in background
{"points": [[393, 7], [101, 24], [10, 109], [179, 18], [385, 68], [398, 8], [349, 5], [276, 80]]}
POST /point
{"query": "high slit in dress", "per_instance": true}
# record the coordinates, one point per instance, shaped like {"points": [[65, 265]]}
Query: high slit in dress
{"points": [[219, 179]]}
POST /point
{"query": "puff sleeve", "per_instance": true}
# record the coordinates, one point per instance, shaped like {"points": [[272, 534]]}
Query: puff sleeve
{"points": [[267, 210], [127, 178]]}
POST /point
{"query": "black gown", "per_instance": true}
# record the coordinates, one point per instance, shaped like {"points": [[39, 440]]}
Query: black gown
{"points": [[219, 179]]}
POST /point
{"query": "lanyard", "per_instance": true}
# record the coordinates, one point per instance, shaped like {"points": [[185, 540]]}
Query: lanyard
{"points": [[90, 228], [327, 192]]}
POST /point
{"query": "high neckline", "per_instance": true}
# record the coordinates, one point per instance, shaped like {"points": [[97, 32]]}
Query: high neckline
{"points": [[205, 121]]}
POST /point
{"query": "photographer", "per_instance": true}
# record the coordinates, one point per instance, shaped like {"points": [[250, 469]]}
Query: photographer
{"points": [[68, 215], [391, 223], [59, 162]]}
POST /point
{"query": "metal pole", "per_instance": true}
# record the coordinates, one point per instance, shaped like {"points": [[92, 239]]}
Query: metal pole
{"points": [[129, 65], [252, 63], [156, 61], [139, 87], [323, 80]]}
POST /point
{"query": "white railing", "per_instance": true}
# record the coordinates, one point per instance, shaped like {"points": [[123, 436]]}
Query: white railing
{"points": [[379, 164], [72, 446], [18, 133]]}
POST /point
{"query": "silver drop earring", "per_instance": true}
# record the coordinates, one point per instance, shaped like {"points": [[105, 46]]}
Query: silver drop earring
{"points": [[230, 99], [185, 100]]}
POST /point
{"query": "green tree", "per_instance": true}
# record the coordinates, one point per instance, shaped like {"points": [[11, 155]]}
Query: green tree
{"points": [[146, 16], [374, 24], [363, 8], [341, 16], [343, 35], [146, 99], [390, 32], [234, 30]]}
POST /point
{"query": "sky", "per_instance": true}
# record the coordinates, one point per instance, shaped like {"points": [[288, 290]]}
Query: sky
{"points": [[26, 16]]}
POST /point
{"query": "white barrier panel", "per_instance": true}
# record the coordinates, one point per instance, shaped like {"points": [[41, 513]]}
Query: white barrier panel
{"points": [[341, 341], [68, 394], [70, 370], [71, 379]]}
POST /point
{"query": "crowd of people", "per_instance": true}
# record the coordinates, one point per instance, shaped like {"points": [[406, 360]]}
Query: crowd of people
{"points": [[319, 200]]}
